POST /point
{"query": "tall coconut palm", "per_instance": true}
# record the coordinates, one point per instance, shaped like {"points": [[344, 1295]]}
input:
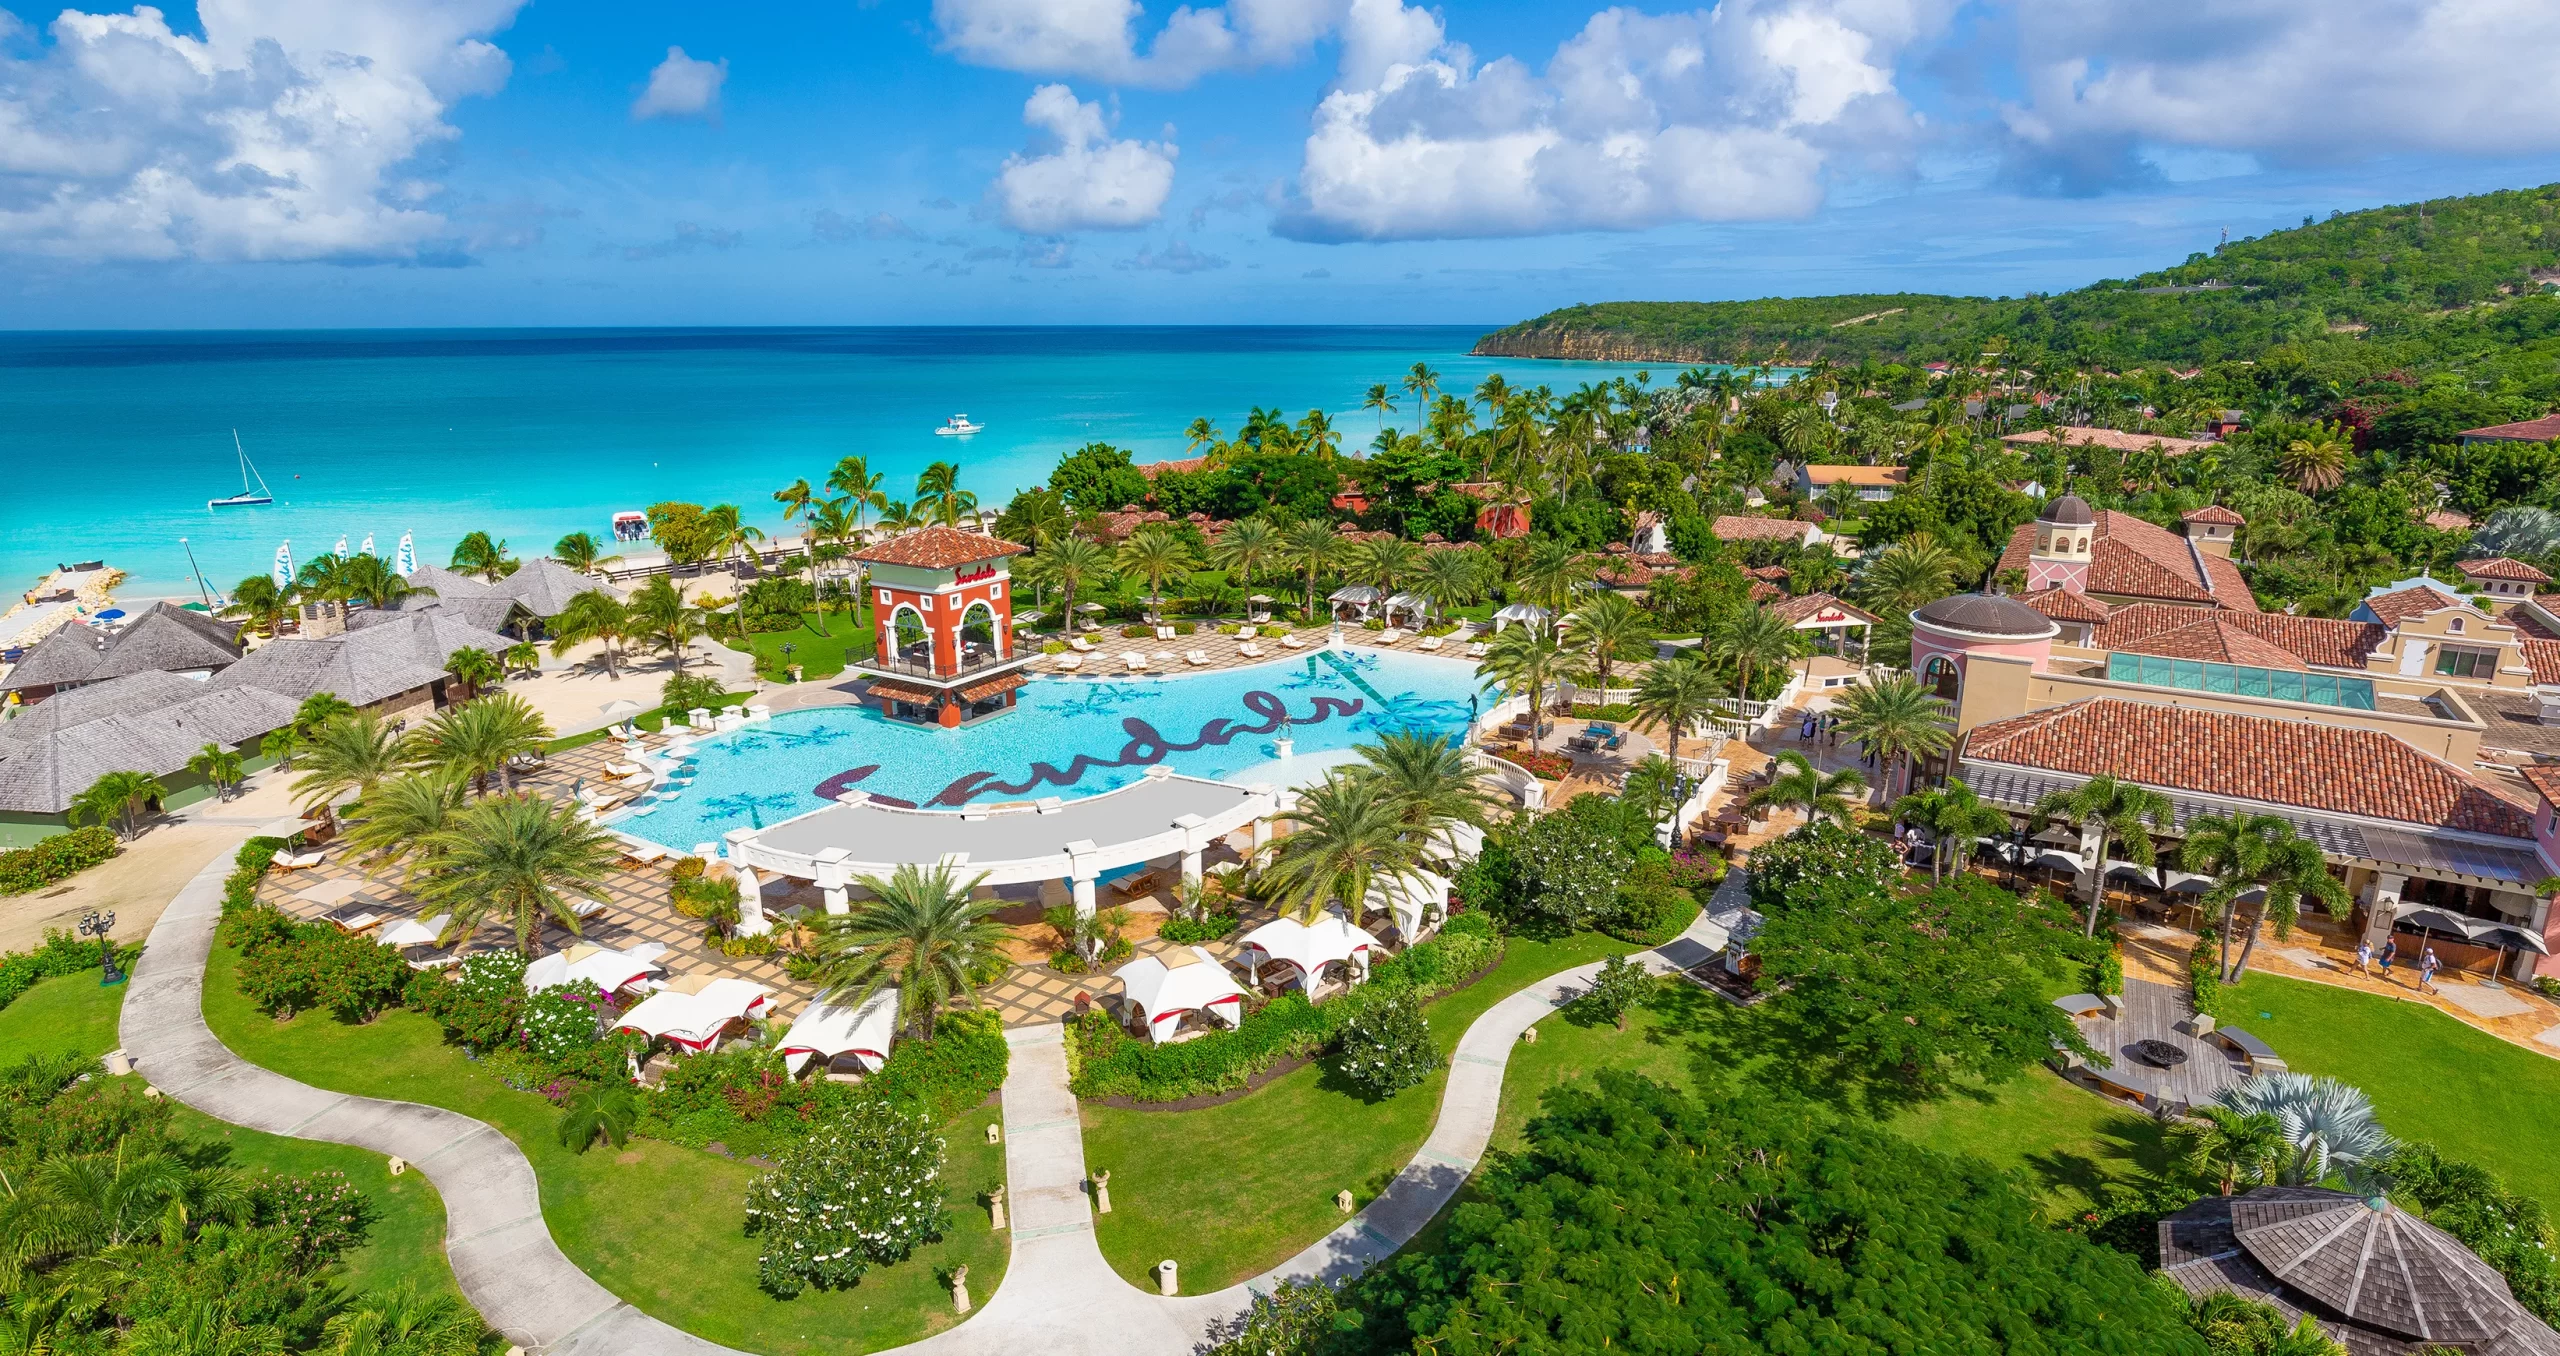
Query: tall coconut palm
{"points": [[403, 813], [474, 668], [854, 479], [221, 768], [833, 525], [515, 860], [939, 497], [1611, 630], [1422, 384], [1351, 833], [1200, 434], [347, 754], [1247, 549], [1528, 659], [1907, 574], [260, 601], [2328, 1125], [661, 615], [1954, 817], [481, 740], [1378, 399], [1451, 577], [799, 501], [1796, 784], [1155, 554], [2263, 853], [1386, 562], [1430, 781], [593, 615], [1753, 639], [1313, 546], [2317, 461], [920, 931], [1072, 564], [1898, 717], [120, 797], [479, 553], [2120, 815], [579, 551], [729, 532], [1553, 575], [1676, 694]]}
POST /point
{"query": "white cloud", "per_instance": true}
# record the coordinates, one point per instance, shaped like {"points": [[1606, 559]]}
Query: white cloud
{"points": [[1096, 39], [681, 87], [1736, 113], [1090, 182], [2286, 81], [1177, 257], [281, 134]]}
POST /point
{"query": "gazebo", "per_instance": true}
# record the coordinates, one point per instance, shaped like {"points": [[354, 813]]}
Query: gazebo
{"points": [[1413, 603], [1357, 597], [602, 966], [1167, 988], [1307, 949], [2377, 1278], [692, 1012], [1413, 899], [1527, 614], [830, 1031]]}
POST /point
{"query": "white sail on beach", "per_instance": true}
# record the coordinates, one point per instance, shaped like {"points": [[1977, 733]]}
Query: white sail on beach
{"points": [[406, 564], [340, 550], [284, 562], [367, 548]]}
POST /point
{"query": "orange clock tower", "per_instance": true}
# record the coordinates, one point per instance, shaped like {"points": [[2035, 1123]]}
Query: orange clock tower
{"points": [[942, 626]]}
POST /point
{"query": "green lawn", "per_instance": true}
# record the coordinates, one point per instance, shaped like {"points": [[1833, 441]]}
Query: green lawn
{"points": [[659, 1225], [405, 1243], [1233, 1190], [818, 655]]}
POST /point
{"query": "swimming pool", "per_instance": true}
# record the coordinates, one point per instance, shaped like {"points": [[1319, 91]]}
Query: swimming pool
{"points": [[1065, 737]]}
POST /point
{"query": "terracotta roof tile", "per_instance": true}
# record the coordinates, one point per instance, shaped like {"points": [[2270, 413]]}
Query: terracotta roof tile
{"points": [[2308, 766], [2135, 559], [2447, 520], [2117, 439], [937, 548], [2214, 513], [1855, 475], [2321, 642], [2540, 430], [2541, 646], [2397, 607], [2545, 780], [2064, 605], [2500, 567], [1736, 527], [1156, 468], [1762, 592], [1798, 609], [2215, 640]]}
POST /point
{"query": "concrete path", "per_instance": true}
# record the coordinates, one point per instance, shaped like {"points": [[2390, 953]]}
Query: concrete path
{"points": [[1059, 1296]]}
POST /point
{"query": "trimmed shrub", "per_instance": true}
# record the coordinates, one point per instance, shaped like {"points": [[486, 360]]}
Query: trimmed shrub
{"points": [[1386, 1046], [309, 966], [2106, 974], [1212, 925], [560, 1021], [2204, 972], [1648, 910], [863, 1190], [1615, 991], [61, 954], [1137, 632], [475, 1002], [55, 857], [942, 1077]]}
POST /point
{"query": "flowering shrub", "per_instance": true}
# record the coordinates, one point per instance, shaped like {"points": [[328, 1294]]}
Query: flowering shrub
{"points": [[1555, 767], [315, 966], [476, 1002], [1696, 869], [55, 857], [1570, 864], [322, 1213], [559, 1021], [1386, 1046], [863, 1190]]}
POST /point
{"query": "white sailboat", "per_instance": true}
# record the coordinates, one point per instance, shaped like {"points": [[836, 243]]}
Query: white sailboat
{"points": [[247, 472], [958, 426]]}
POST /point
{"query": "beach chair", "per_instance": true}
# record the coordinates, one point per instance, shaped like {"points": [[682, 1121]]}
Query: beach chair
{"points": [[1429, 643], [1070, 663], [642, 854], [1137, 663], [1244, 633], [1249, 650], [584, 909], [1476, 650], [624, 733], [1390, 636], [1143, 883], [1164, 633], [302, 861], [1293, 642], [623, 769], [1081, 645], [1196, 656]]}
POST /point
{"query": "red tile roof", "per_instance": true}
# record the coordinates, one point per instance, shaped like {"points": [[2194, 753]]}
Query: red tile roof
{"points": [[2117, 439], [1735, 527], [2447, 520], [2545, 780], [1772, 573], [2331, 768], [2214, 513], [2416, 601], [1798, 609], [1761, 593], [2064, 605], [1156, 468], [1855, 475], [2215, 641], [2131, 558], [2540, 430], [2321, 642], [937, 548], [2541, 646], [2499, 567]]}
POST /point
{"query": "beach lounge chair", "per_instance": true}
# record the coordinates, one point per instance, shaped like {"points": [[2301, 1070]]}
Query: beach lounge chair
{"points": [[1244, 633], [1429, 643], [624, 770], [1196, 656], [626, 732], [303, 861], [584, 909], [1164, 633], [1476, 650], [1142, 883], [1070, 663], [1249, 650], [1293, 642], [1081, 645], [642, 854], [1137, 662], [1390, 636]]}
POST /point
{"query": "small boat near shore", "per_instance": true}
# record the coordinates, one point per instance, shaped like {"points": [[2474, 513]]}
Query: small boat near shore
{"points": [[248, 471], [958, 426]]}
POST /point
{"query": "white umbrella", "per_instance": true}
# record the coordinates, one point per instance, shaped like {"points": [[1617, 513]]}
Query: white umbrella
{"points": [[414, 931], [620, 707]]}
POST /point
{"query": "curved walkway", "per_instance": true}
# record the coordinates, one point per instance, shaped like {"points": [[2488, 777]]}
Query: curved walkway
{"points": [[1059, 1296]]}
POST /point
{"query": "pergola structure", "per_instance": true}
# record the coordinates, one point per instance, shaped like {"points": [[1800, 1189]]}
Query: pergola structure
{"points": [[1830, 620]]}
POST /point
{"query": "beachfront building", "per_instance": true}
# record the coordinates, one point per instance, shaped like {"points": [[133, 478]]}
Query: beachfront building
{"points": [[2383, 770], [162, 638], [1740, 528], [518, 603], [942, 619]]}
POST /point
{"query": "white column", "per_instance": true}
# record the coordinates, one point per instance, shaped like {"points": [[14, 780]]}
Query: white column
{"points": [[1083, 888], [1083, 867], [1195, 840], [832, 880], [751, 919], [2385, 907]]}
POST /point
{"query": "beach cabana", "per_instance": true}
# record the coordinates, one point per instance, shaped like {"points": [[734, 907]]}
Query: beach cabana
{"points": [[1527, 614], [1413, 899], [1357, 597], [692, 1012], [1305, 950], [602, 966], [831, 1031], [1455, 842], [1164, 989], [1412, 604]]}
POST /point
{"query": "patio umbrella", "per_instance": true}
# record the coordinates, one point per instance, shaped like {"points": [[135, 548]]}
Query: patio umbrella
{"points": [[2509, 938], [2432, 921], [621, 707]]}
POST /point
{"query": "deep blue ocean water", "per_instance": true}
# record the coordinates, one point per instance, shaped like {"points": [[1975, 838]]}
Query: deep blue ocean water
{"points": [[113, 442]]}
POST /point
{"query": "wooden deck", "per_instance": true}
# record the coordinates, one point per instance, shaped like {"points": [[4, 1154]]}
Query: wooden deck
{"points": [[2154, 1011]]}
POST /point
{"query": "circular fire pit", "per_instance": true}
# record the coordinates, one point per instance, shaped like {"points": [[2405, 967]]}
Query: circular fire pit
{"points": [[2161, 1053]]}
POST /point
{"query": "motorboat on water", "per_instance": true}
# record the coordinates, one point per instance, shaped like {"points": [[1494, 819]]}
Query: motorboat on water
{"points": [[248, 472], [958, 426], [631, 525]]}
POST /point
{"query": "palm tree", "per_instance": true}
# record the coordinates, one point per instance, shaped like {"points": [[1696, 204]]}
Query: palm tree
{"points": [[480, 741], [354, 752], [2327, 1124], [798, 500], [2116, 813], [1313, 546], [403, 1322], [854, 479], [84, 1204], [1650, 783], [728, 531], [1386, 562], [1451, 577], [1954, 817], [120, 796], [515, 860], [1525, 658], [2234, 1147], [1073, 563], [1201, 434], [1553, 574], [2317, 462], [220, 767], [1316, 436], [921, 931], [1750, 638], [1429, 780], [1246, 549], [1421, 383], [939, 497], [1910, 572], [474, 668], [593, 615], [1677, 693], [478, 553], [1154, 553], [1351, 833], [402, 813], [260, 601], [578, 551], [833, 524], [1378, 399], [661, 614], [2262, 852], [523, 657], [370, 581], [1898, 717], [1802, 786], [1611, 629], [598, 1111]]}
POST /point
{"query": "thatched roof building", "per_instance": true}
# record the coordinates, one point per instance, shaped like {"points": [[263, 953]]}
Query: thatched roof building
{"points": [[162, 638], [143, 722]]}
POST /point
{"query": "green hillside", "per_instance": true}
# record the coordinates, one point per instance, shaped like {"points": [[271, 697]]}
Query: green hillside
{"points": [[2430, 275]]}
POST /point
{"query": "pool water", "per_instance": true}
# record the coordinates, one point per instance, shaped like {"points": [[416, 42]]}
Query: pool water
{"points": [[1065, 737]]}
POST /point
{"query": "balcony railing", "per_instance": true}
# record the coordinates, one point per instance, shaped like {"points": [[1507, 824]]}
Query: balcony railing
{"points": [[918, 663]]}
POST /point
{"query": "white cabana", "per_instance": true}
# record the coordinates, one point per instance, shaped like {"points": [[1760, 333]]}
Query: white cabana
{"points": [[1414, 899], [601, 966], [829, 1031], [409, 932], [1165, 989], [693, 1011], [1307, 949], [1413, 603], [1455, 842], [1359, 596], [1527, 614]]}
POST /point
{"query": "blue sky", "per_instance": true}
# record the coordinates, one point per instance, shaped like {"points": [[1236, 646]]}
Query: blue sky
{"points": [[255, 163]]}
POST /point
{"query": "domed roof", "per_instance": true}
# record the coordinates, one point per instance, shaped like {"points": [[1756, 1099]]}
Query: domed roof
{"points": [[1986, 614], [2069, 511]]}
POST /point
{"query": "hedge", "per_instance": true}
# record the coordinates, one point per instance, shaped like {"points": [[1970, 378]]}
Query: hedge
{"points": [[55, 857], [61, 954]]}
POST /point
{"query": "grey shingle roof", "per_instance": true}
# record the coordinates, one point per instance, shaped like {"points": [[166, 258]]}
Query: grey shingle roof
{"points": [[541, 586], [69, 655], [392, 654], [145, 722], [163, 636]]}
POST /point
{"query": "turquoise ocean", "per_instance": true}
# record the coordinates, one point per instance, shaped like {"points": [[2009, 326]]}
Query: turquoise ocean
{"points": [[114, 441]]}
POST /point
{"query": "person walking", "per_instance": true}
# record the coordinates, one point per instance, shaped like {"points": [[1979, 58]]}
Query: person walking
{"points": [[2390, 953], [2364, 955], [2427, 967]]}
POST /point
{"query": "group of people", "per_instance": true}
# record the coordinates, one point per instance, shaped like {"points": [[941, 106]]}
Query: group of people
{"points": [[2427, 962]]}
